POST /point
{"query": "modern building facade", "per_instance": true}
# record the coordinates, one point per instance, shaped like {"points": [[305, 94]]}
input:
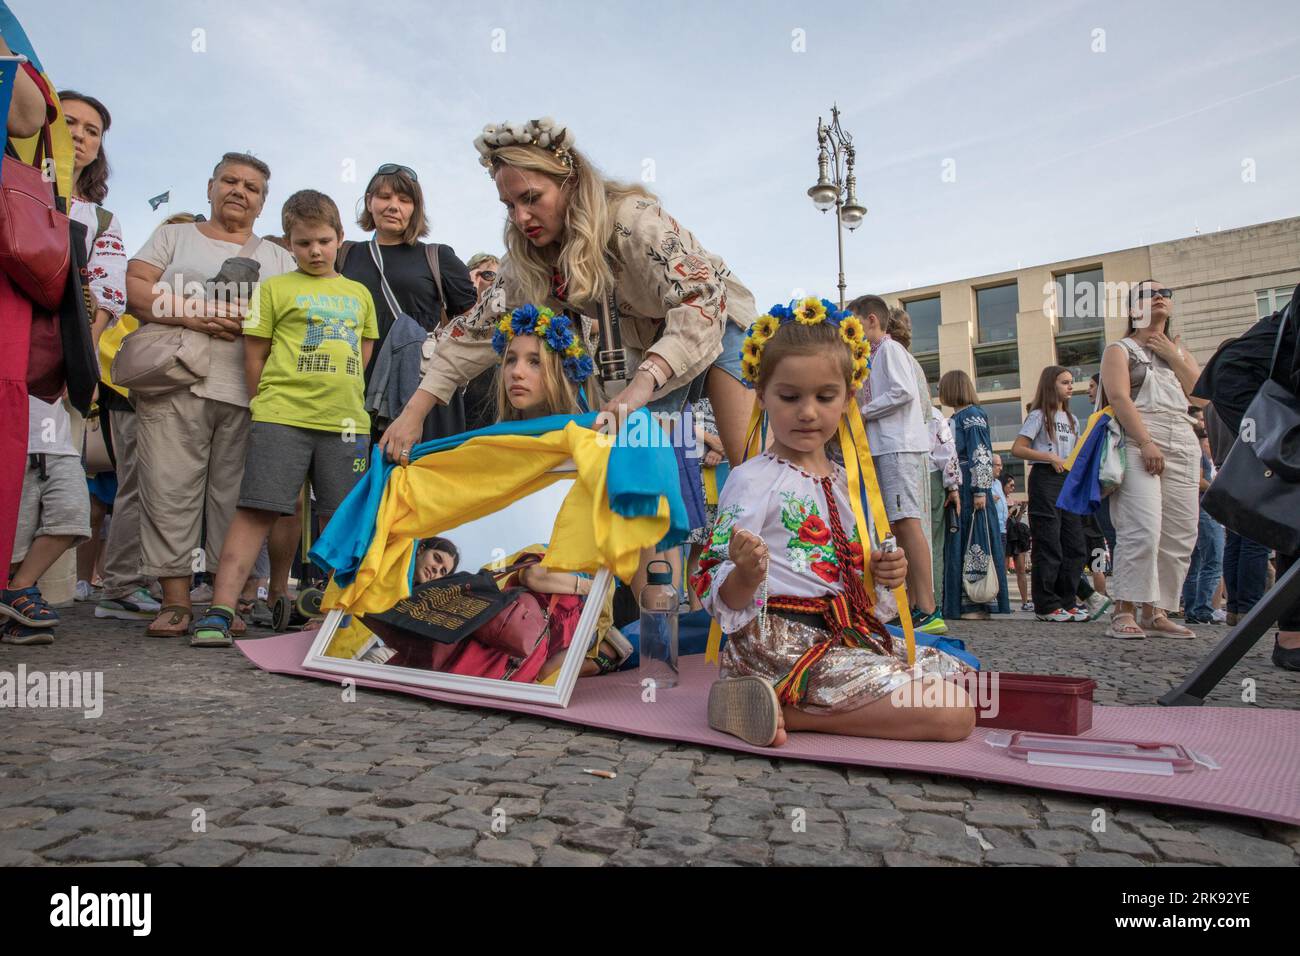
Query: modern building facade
{"points": [[1004, 329]]}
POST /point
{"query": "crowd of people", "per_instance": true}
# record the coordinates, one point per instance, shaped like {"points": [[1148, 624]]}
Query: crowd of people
{"points": [[313, 348]]}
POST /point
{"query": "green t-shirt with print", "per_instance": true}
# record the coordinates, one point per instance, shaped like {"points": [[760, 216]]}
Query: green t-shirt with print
{"points": [[314, 376]]}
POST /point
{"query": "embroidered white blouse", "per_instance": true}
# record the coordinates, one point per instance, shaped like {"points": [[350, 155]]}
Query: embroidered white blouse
{"points": [[786, 507]]}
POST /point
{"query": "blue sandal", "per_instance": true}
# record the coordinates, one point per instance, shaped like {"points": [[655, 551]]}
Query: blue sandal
{"points": [[213, 629], [27, 606]]}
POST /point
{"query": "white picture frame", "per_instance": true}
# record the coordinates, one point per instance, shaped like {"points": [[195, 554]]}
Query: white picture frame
{"points": [[550, 695]]}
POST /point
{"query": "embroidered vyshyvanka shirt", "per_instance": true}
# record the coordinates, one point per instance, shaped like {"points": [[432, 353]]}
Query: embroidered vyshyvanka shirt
{"points": [[665, 282], [786, 507]]}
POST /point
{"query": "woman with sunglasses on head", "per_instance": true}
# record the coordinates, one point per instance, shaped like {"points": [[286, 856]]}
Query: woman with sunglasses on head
{"points": [[1147, 378], [393, 208]]}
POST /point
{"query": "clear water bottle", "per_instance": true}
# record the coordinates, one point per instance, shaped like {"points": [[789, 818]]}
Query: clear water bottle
{"points": [[659, 627]]}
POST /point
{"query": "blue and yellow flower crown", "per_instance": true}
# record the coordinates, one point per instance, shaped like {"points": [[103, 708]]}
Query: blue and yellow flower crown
{"points": [[556, 331], [809, 311]]}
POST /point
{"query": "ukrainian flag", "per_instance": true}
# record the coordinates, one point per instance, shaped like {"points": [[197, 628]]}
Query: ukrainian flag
{"points": [[1081, 493], [16, 37]]}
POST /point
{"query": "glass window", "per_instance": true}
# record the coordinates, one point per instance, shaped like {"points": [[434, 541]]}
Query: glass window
{"points": [[1081, 408], [997, 308], [1268, 301], [997, 369], [930, 365], [1079, 300], [1081, 354], [1004, 419], [925, 324]]}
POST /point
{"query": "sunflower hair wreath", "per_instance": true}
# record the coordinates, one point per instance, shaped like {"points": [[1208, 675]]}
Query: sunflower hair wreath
{"points": [[809, 311], [557, 332]]}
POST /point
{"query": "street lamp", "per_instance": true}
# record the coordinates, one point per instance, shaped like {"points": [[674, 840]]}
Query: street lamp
{"points": [[837, 184]]}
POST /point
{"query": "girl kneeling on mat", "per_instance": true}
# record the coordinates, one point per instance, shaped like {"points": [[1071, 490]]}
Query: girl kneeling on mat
{"points": [[783, 571]]}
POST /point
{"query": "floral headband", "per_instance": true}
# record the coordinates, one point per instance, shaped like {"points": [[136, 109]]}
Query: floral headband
{"points": [[810, 311], [544, 132], [557, 331]]}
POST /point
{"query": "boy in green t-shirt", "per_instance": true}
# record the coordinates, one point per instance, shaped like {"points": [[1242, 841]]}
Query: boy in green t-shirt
{"points": [[307, 340]]}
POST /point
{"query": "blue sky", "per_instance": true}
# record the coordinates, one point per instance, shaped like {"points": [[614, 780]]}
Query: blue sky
{"points": [[1059, 151]]}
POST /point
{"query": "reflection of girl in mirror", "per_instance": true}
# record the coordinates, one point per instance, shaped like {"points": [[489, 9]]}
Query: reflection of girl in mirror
{"points": [[545, 366], [435, 558], [546, 369], [815, 657]]}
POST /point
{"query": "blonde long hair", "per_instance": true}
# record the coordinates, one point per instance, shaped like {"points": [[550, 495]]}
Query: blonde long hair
{"points": [[588, 226], [561, 394]]}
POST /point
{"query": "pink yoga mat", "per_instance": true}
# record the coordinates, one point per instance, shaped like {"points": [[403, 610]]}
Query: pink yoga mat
{"points": [[1258, 749]]}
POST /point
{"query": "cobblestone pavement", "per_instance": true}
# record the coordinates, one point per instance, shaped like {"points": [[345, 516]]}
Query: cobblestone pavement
{"points": [[286, 772]]}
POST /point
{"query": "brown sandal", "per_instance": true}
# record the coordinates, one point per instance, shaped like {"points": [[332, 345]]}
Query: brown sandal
{"points": [[174, 620]]}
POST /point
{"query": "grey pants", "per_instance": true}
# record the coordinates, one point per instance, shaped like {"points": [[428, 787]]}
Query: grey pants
{"points": [[122, 552], [937, 496]]}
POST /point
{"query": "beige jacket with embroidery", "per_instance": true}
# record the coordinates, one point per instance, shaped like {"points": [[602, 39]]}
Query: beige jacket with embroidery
{"points": [[674, 298]]}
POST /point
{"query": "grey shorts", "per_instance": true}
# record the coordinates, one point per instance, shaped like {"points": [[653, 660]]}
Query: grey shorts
{"points": [[901, 474], [281, 457], [57, 504]]}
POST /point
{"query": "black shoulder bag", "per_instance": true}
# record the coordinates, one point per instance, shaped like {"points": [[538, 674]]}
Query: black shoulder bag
{"points": [[1257, 491]]}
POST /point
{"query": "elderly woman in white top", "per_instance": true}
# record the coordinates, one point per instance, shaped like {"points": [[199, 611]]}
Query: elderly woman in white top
{"points": [[192, 440], [1147, 378]]}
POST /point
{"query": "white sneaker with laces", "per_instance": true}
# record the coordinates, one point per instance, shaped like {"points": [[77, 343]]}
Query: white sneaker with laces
{"points": [[1059, 616], [82, 592], [1220, 616], [1097, 605]]}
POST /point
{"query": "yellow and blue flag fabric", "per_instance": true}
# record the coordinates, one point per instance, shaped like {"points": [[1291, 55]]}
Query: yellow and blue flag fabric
{"points": [[16, 37], [625, 498], [1081, 493]]}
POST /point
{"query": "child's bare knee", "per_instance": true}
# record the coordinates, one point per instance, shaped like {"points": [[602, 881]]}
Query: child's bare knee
{"points": [[954, 723]]}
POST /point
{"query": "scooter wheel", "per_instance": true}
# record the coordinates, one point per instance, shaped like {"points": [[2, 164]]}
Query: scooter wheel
{"points": [[280, 614], [309, 602]]}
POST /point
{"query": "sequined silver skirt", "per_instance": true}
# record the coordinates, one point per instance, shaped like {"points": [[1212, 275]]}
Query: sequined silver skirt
{"points": [[844, 678]]}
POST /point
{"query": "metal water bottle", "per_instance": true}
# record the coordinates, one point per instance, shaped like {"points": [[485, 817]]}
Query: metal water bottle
{"points": [[659, 627]]}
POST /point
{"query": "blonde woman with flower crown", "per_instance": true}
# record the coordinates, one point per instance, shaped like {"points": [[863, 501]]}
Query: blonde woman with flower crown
{"points": [[783, 573], [574, 240]]}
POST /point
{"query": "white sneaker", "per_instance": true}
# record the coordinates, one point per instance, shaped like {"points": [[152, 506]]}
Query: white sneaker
{"points": [[1097, 605], [82, 592], [1059, 616], [201, 594], [143, 599], [1220, 616]]}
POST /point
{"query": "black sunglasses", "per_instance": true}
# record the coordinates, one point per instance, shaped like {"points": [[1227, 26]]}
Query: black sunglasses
{"points": [[389, 169], [1150, 292], [487, 274]]}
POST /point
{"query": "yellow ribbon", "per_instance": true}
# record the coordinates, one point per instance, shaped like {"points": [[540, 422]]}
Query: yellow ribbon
{"points": [[857, 462]]}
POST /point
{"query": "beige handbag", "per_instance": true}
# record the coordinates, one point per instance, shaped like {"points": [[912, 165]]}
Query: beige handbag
{"points": [[94, 450], [156, 359]]}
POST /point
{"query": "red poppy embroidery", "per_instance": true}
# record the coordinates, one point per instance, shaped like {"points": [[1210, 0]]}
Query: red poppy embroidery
{"points": [[702, 582], [855, 552], [457, 331], [826, 571], [814, 530]]}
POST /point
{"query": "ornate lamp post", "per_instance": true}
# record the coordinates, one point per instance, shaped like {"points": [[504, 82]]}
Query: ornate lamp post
{"points": [[835, 155]]}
